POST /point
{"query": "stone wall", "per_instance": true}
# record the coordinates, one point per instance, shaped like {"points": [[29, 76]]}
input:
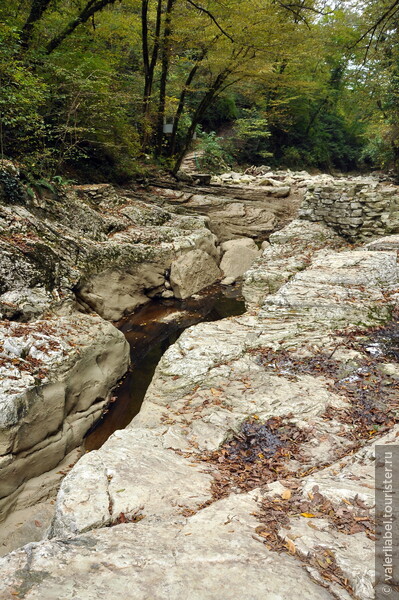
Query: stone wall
{"points": [[357, 208]]}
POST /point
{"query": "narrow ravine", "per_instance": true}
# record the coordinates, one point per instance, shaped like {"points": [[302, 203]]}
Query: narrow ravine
{"points": [[150, 331]]}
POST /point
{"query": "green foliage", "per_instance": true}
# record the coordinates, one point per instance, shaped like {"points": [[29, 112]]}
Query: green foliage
{"points": [[79, 111], [10, 187], [224, 110], [213, 156], [22, 96], [249, 143]]}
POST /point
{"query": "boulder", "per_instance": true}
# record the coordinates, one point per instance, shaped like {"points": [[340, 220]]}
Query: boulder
{"points": [[191, 272], [238, 255]]}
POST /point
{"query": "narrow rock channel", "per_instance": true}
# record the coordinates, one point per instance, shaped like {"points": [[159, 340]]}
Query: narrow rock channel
{"points": [[150, 331], [252, 454]]}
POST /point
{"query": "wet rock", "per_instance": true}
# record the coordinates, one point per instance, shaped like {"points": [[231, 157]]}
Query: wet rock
{"points": [[191, 272]]}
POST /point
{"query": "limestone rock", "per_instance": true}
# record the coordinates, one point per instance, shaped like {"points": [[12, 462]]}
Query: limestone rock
{"points": [[57, 375], [288, 253], [110, 249], [389, 242], [191, 272], [343, 286], [238, 256], [228, 281], [212, 551], [239, 215], [211, 380], [354, 480], [25, 304], [131, 474]]}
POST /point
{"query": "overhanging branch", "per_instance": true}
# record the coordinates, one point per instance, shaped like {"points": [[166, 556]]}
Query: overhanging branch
{"points": [[213, 19]]}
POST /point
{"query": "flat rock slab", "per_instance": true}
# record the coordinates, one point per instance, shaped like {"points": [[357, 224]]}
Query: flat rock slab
{"points": [[209, 556], [132, 474]]}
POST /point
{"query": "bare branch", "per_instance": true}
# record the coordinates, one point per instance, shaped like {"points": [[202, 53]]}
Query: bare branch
{"points": [[213, 19], [390, 12], [89, 10]]}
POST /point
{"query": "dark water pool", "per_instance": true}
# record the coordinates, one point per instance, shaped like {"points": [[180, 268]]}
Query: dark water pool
{"points": [[150, 331]]}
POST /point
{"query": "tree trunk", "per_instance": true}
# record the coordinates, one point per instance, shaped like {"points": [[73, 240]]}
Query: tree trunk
{"points": [[88, 11], [199, 112], [164, 74], [179, 111], [36, 12], [149, 66]]}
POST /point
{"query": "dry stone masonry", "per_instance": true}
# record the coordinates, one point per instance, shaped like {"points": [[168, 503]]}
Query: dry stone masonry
{"points": [[357, 208]]}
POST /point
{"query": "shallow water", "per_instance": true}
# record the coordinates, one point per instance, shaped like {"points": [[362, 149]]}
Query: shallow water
{"points": [[150, 331]]}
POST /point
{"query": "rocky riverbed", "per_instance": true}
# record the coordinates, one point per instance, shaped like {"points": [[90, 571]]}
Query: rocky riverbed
{"points": [[250, 465]]}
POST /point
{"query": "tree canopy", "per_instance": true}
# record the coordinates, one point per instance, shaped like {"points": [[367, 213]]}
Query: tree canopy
{"points": [[98, 88]]}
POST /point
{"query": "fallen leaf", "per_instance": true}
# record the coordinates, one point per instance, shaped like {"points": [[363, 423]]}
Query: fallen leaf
{"points": [[291, 546], [286, 495], [308, 515], [216, 392]]}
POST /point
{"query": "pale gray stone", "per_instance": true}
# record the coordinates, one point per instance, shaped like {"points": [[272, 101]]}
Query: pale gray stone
{"points": [[238, 255], [210, 553], [191, 272], [46, 409]]}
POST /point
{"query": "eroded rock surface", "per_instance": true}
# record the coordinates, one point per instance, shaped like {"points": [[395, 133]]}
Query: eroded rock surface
{"points": [[290, 251], [178, 505], [56, 379], [286, 367], [112, 250], [235, 212]]}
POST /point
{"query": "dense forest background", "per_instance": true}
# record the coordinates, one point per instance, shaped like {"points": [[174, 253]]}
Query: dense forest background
{"points": [[87, 87]]}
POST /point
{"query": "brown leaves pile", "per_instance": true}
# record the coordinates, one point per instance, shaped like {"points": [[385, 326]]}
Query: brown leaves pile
{"points": [[347, 517], [373, 395], [256, 455]]}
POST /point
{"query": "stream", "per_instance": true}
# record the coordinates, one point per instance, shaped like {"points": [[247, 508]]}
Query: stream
{"points": [[150, 331]]}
